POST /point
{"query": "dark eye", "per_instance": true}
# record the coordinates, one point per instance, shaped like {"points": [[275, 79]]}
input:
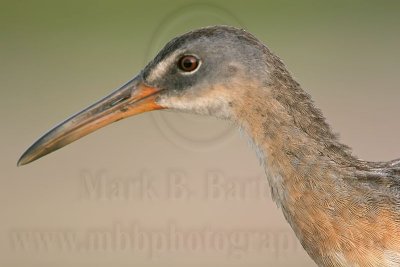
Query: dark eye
{"points": [[188, 63]]}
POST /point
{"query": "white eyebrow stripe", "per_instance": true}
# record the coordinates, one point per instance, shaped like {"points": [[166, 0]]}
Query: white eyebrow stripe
{"points": [[161, 68]]}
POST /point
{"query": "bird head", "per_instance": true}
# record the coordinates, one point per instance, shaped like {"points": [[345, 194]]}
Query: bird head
{"points": [[203, 72]]}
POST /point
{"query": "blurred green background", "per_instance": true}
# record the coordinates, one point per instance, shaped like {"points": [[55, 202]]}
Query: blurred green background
{"points": [[56, 57]]}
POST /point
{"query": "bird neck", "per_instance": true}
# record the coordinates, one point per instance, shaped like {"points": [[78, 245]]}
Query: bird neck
{"points": [[304, 162], [333, 201], [296, 145]]}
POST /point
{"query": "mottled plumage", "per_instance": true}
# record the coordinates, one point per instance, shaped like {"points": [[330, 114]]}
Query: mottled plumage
{"points": [[345, 211]]}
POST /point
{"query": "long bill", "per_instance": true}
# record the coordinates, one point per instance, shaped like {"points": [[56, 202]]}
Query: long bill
{"points": [[132, 98]]}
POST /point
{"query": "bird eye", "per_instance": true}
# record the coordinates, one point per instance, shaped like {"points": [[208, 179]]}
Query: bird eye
{"points": [[188, 63]]}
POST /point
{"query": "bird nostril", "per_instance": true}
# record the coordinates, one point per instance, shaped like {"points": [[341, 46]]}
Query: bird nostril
{"points": [[119, 100]]}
